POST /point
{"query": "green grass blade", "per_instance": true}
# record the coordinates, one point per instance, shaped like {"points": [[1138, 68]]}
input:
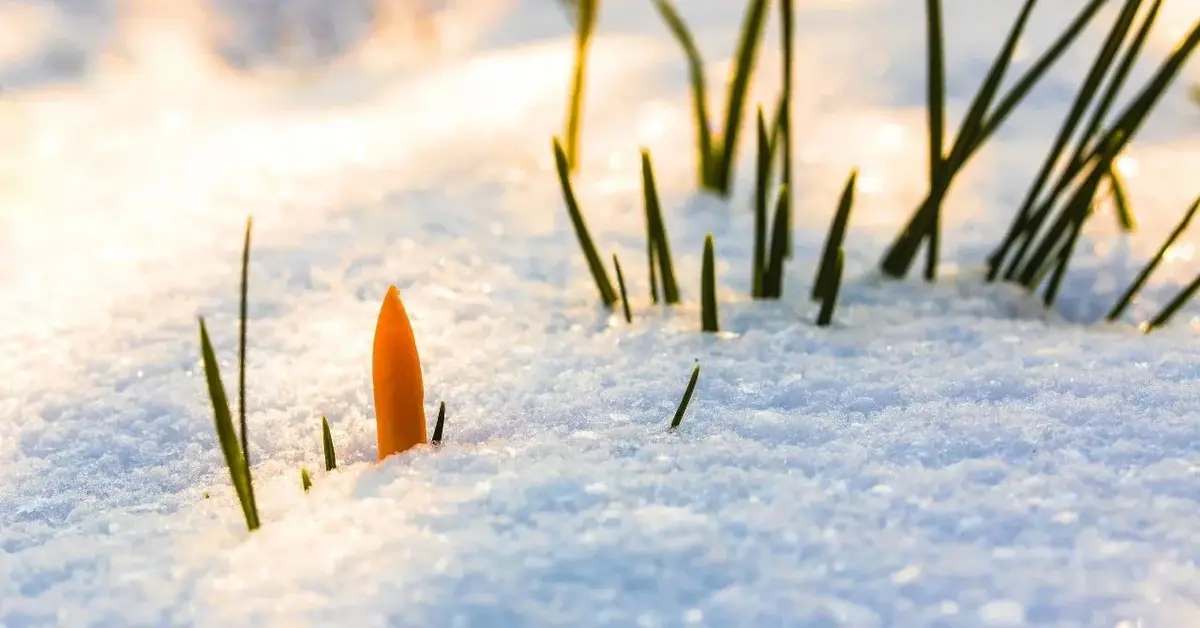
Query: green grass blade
{"points": [[1140, 281], [824, 282], [243, 307], [658, 227], [708, 289], [585, 25], [936, 87], [735, 105], [603, 285], [773, 278], [787, 27], [687, 398], [1126, 218], [704, 138], [651, 258], [761, 183], [1175, 305], [1064, 260], [226, 434], [825, 315], [441, 424], [621, 286], [327, 446], [305, 480]]}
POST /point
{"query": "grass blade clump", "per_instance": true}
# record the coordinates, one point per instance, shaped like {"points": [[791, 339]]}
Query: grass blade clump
{"points": [[441, 423], [1140, 281], [327, 446], [305, 479], [1027, 219], [658, 243], [773, 276], [716, 154], [1174, 306], [708, 289], [827, 281], [980, 122], [603, 285], [227, 435], [687, 398], [621, 285], [585, 24]]}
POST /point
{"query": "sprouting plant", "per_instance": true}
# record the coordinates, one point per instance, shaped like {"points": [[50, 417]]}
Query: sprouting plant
{"points": [[716, 154], [327, 446], [603, 285], [658, 246], [236, 458], [829, 274], [624, 293], [585, 24], [687, 398], [396, 379], [441, 424], [773, 275], [708, 289], [305, 480]]}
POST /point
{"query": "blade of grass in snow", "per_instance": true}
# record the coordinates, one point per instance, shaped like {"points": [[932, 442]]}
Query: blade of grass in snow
{"points": [[441, 423], [936, 108], [687, 398], [761, 183], [704, 138], [658, 232], [651, 261], [603, 285], [825, 315], [243, 306], [976, 130], [735, 104], [824, 282], [708, 289], [773, 277], [1167, 312], [621, 286], [1083, 99], [1140, 281], [327, 446], [305, 480], [787, 28], [585, 25], [226, 434]]}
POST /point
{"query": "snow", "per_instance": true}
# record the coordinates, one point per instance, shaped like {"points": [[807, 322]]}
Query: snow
{"points": [[945, 455]]}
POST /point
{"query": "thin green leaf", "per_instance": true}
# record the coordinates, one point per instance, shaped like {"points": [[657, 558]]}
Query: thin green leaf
{"points": [[1124, 210], [825, 315], [327, 446], [305, 480], [1174, 306], [441, 423], [621, 285], [708, 289], [787, 26], [243, 307], [603, 285], [658, 229], [773, 278], [761, 183], [585, 25], [687, 398], [226, 434], [824, 283], [1140, 281]]}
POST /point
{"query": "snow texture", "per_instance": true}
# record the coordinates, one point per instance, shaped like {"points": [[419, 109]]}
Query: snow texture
{"points": [[943, 455]]}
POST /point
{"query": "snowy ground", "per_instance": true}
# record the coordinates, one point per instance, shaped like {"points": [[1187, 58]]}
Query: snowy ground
{"points": [[943, 455]]}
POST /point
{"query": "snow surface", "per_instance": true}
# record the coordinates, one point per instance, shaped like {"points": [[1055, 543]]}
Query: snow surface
{"points": [[945, 455]]}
